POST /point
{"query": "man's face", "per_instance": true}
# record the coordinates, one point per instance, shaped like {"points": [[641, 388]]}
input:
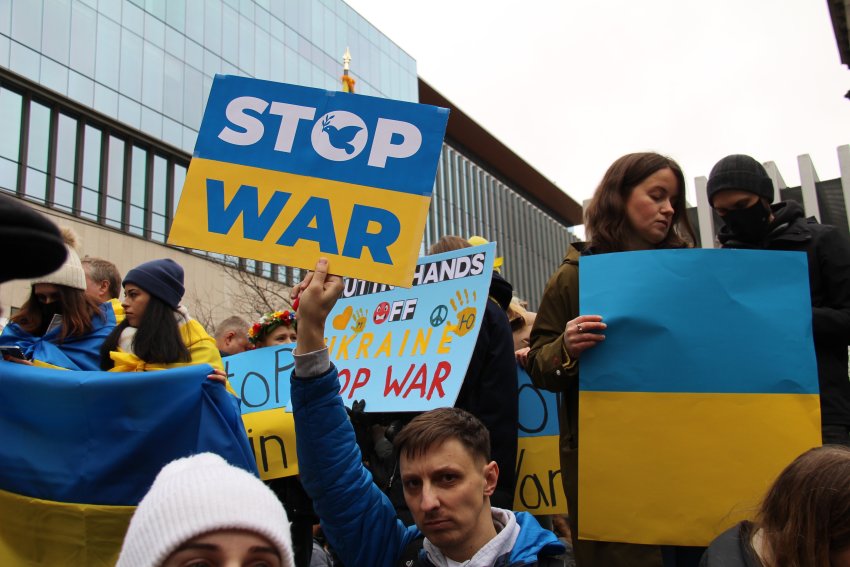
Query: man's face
{"points": [[448, 492], [97, 290], [233, 343], [733, 200]]}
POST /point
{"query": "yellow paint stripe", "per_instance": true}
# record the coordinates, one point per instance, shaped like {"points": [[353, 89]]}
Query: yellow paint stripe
{"points": [[680, 468], [40, 532]]}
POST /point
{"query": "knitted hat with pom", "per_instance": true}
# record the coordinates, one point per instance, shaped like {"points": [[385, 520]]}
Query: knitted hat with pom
{"points": [[70, 273], [198, 495]]}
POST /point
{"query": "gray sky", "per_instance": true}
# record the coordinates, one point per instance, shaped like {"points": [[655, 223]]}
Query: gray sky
{"points": [[571, 85]]}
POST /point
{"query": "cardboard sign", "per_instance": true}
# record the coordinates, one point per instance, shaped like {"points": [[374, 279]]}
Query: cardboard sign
{"points": [[704, 389], [261, 380], [408, 349], [285, 174], [539, 485]]}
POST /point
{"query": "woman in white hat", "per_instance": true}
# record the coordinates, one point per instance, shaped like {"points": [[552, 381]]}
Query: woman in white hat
{"points": [[59, 325], [203, 511]]}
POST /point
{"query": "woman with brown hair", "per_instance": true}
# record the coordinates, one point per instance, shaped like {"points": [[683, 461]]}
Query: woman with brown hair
{"points": [[59, 325], [804, 519], [639, 205]]}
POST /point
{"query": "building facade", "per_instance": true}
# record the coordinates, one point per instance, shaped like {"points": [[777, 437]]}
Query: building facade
{"points": [[102, 102]]}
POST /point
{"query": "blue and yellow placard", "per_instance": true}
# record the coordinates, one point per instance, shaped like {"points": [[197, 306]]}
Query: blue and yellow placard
{"points": [[539, 487], [704, 389], [284, 174], [408, 349], [261, 380]]}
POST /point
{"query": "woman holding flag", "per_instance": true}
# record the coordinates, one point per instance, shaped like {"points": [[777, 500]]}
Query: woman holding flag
{"points": [[639, 205], [59, 326]]}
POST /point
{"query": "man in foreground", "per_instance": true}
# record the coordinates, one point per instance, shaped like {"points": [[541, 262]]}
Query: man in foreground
{"points": [[443, 463]]}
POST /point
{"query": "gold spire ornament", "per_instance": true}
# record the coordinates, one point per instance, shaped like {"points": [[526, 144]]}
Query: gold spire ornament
{"points": [[347, 80]]}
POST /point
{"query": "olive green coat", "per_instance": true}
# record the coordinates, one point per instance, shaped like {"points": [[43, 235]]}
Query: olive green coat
{"points": [[550, 368]]}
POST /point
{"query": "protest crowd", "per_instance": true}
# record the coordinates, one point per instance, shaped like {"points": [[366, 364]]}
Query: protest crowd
{"points": [[436, 487]]}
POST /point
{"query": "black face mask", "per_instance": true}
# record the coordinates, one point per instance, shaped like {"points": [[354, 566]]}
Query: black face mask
{"points": [[751, 224], [48, 310]]}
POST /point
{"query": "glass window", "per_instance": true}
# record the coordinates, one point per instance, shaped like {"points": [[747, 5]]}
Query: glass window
{"points": [[179, 180], [10, 117], [66, 147], [159, 198], [55, 28], [89, 203], [39, 136], [246, 45], [173, 103], [63, 195], [212, 26], [26, 23], [138, 174], [115, 183], [195, 20], [230, 35], [152, 72], [107, 59], [175, 14], [8, 174], [131, 58]]}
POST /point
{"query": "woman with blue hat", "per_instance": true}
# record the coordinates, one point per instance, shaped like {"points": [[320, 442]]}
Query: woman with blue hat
{"points": [[157, 332]]}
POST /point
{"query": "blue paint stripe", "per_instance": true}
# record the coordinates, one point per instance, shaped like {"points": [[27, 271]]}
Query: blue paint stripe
{"points": [[701, 321]]}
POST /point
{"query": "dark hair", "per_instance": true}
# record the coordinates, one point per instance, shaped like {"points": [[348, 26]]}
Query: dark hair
{"points": [[606, 220], [157, 337], [100, 270], [448, 243], [78, 309], [805, 515], [439, 425]]}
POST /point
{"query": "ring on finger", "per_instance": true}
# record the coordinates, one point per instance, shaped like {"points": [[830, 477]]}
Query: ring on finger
{"points": [[578, 327]]}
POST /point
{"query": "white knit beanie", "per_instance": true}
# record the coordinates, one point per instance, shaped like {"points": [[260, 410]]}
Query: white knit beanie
{"points": [[70, 273], [197, 495]]}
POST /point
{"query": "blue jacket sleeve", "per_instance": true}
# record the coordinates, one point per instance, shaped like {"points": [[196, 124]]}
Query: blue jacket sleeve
{"points": [[358, 519]]}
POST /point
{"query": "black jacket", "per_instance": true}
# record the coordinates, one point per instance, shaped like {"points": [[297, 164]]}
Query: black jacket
{"points": [[491, 394], [828, 251]]}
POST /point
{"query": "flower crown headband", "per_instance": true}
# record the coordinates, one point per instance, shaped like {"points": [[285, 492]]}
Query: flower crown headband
{"points": [[269, 322]]}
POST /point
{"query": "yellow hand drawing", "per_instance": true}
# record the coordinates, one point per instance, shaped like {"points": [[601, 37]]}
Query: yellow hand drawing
{"points": [[359, 320]]}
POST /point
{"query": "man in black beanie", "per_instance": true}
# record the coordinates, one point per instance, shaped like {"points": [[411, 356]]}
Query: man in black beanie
{"points": [[741, 192]]}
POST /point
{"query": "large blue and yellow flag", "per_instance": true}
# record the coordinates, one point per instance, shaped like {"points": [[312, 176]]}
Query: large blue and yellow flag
{"points": [[285, 174], [78, 451], [704, 389]]}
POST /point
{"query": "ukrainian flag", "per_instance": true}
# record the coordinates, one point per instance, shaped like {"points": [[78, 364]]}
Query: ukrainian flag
{"points": [[703, 391], [78, 450]]}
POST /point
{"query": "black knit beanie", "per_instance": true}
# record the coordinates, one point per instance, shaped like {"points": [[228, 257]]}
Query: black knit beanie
{"points": [[160, 278], [741, 173]]}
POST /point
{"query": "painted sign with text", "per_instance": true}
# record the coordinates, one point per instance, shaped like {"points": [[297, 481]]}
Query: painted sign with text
{"points": [[408, 349], [539, 486], [284, 174], [261, 380]]}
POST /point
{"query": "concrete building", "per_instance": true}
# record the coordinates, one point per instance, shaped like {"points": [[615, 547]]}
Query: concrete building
{"points": [[102, 101]]}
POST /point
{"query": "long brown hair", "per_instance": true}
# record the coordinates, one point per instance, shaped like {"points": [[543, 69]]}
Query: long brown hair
{"points": [[606, 220], [78, 309], [806, 513]]}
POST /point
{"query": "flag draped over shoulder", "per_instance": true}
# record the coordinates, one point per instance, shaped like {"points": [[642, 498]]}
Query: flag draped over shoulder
{"points": [[73, 353], [78, 451]]}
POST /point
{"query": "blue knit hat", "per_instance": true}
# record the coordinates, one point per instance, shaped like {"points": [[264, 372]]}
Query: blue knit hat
{"points": [[160, 278]]}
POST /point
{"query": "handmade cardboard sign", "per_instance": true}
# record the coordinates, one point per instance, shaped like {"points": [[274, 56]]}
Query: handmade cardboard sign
{"points": [[539, 486], [284, 174], [704, 389], [408, 349]]}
